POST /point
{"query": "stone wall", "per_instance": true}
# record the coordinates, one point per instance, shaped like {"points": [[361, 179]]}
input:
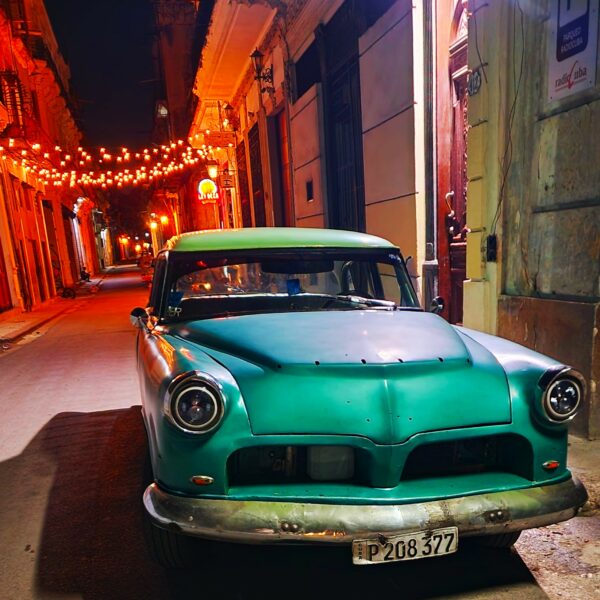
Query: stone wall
{"points": [[567, 331], [543, 183]]}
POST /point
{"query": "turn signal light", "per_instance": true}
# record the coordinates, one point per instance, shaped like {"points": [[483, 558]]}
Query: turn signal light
{"points": [[202, 479], [551, 465]]}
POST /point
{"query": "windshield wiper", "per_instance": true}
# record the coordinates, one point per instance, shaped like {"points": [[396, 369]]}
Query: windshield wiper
{"points": [[361, 301]]}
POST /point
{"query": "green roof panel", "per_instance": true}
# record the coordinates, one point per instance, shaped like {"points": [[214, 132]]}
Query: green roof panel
{"points": [[251, 238]]}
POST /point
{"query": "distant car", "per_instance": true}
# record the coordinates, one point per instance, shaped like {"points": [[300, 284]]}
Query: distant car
{"points": [[294, 391]]}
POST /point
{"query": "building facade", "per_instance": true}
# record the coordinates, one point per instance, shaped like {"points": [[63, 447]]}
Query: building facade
{"points": [[324, 126], [429, 123], [533, 251], [46, 232]]}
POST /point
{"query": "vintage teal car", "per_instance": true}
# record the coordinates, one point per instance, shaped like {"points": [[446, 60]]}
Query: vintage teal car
{"points": [[294, 392]]}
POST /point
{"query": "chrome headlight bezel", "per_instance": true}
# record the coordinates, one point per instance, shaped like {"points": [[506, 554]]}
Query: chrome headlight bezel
{"points": [[189, 381], [549, 381]]}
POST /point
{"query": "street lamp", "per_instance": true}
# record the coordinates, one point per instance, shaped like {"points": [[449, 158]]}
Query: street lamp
{"points": [[154, 235], [231, 116], [260, 73], [213, 169]]}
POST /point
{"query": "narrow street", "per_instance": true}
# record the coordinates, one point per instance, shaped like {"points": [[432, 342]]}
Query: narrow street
{"points": [[72, 447], [431, 167]]}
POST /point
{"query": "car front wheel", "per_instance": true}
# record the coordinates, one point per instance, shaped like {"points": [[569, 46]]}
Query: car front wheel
{"points": [[168, 548]]}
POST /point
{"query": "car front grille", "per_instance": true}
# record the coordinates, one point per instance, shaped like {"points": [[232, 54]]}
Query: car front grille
{"points": [[290, 464], [501, 453], [264, 465]]}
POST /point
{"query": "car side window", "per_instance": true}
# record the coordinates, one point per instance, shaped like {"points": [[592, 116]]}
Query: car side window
{"points": [[156, 285]]}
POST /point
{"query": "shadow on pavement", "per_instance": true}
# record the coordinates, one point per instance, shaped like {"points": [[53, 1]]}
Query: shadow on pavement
{"points": [[92, 542], [281, 572]]}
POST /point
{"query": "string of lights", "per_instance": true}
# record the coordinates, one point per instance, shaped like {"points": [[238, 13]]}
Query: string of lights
{"points": [[102, 168]]}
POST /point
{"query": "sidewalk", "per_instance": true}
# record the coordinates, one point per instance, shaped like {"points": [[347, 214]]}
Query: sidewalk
{"points": [[584, 461], [16, 323]]}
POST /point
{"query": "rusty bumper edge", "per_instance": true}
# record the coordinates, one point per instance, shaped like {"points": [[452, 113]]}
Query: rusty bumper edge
{"points": [[255, 521]]}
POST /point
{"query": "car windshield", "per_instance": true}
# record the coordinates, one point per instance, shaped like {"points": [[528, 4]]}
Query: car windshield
{"points": [[212, 284]]}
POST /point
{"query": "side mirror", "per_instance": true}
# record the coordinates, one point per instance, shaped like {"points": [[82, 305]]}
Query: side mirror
{"points": [[437, 305], [138, 317]]}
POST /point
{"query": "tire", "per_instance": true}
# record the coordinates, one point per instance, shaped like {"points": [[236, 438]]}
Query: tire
{"points": [[165, 547], [500, 540], [168, 548], [68, 293]]}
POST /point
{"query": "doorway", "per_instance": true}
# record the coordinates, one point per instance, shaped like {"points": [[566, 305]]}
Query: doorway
{"points": [[282, 182], [452, 127], [258, 192], [345, 160], [5, 299]]}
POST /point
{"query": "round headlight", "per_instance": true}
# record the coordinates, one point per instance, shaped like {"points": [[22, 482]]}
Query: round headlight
{"points": [[196, 405], [563, 396]]}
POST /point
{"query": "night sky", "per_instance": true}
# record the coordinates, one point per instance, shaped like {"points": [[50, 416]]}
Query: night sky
{"points": [[108, 46]]}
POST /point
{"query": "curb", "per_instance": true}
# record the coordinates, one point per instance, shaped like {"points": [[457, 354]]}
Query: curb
{"points": [[26, 329]]}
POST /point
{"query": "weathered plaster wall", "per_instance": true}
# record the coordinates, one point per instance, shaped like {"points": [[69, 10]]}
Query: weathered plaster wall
{"points": [[565, 330], [552, 213], [487, 43], [534, 179]]}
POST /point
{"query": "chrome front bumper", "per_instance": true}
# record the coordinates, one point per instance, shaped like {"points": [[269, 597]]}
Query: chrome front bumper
{"points": [[294, 522]]}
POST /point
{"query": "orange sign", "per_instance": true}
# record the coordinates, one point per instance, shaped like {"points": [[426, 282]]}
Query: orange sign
{"points": [[208, 191]]}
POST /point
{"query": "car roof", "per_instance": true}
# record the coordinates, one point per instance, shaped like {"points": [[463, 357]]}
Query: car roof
{"points": [[250, 238]]}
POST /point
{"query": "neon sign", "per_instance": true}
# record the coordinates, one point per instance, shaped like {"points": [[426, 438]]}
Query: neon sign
{"points": [[208, 191]]}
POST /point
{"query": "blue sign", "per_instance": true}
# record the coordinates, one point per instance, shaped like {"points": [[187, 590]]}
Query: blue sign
{"points": [[572, 35], [572, 47]]}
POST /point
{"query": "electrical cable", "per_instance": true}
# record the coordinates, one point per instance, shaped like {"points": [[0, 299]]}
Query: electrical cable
{"points": [[508, 150]]}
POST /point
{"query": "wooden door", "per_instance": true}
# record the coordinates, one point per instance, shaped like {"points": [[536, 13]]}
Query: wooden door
{"points": [[240, 155], [258, 192], [282, 200], [457, 205], [452, 126]]}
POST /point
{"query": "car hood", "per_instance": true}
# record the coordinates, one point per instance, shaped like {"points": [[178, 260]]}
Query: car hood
{"points": [[385, 375]]}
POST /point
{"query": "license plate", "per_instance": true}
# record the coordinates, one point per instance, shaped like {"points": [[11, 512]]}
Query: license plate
{"points": [[410, 546]]}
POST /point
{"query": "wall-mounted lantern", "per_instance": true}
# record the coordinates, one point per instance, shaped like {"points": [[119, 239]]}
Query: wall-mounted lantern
{"points": [[231, 116], [260, 73], [212, 167]]}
